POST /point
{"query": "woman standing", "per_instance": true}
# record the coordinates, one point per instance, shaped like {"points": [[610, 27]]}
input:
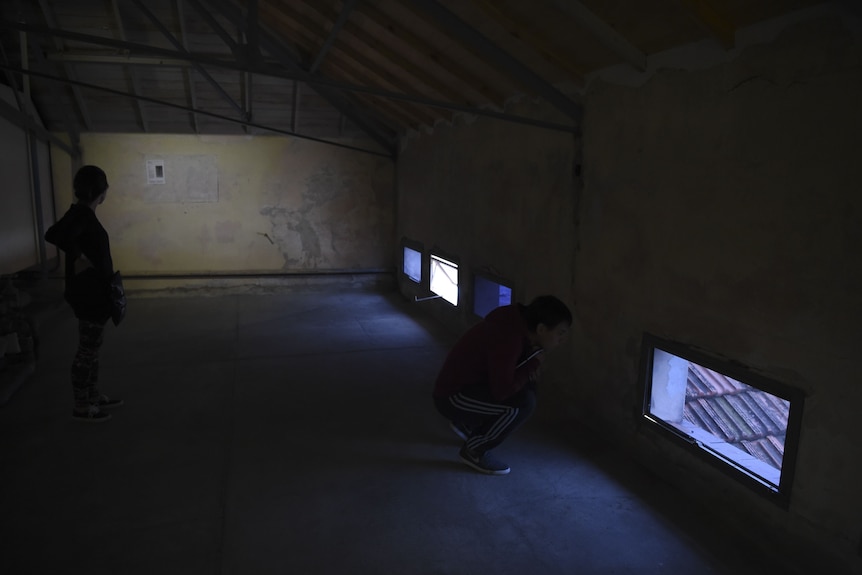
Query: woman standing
{"points": [[89, 271]]}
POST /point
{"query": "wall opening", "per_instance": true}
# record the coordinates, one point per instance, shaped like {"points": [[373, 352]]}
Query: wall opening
{"points": [[489, 294], [444, 279], [411, 264], [746, 424]]}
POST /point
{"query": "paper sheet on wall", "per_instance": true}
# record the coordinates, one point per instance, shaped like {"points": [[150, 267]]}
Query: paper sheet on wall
{"points": [[187, 179]]}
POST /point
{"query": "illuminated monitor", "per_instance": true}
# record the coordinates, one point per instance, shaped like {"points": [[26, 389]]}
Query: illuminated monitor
{"points": [[412, 264], [489, 294], [746, 424], [444, 279]]}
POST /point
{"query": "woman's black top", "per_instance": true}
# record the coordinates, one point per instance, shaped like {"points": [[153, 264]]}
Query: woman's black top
{"points": [[79, 233]]}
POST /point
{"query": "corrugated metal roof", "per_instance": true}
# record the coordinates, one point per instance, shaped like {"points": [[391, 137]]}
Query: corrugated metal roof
{"points": [[748, 418]]}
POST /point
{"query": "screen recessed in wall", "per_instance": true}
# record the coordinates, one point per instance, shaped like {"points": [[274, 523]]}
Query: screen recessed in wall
{"points": [[488, 295], [444, 279], [747, 423], [412, 264]]}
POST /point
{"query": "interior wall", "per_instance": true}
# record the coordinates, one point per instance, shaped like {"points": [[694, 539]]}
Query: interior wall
{"points": [[236, 205], [719, 209], [18, 229], [497, 197]]}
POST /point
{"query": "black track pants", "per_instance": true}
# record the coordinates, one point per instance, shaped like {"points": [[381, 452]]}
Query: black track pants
{"points": [[489, 421]]}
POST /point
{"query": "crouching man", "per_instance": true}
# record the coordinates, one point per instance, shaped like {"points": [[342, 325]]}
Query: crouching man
{"points": [[487, 385]]}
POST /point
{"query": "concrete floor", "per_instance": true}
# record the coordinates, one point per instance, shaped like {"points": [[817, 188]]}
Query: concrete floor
{"points": [[295, 434]]}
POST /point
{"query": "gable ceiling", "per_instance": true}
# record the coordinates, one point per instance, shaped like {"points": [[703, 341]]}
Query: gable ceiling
{"points": [[359, 73]]}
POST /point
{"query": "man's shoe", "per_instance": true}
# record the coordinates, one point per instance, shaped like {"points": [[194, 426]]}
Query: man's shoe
{"points": [[105, 402], [460, 430], [92, 414], [483, 463]]}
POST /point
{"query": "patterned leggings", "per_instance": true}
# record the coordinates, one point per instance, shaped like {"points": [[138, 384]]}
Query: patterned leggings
{"points": [[85, 366]]}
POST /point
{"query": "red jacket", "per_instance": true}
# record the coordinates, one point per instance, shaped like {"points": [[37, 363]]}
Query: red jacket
{"points": [[489, 354]]}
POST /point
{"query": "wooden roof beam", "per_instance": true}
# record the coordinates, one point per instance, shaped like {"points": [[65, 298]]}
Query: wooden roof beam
{"points": [[535, 42], [252, 46], [364, 38], [499, 58], [207, 15], [64, 105], [22, 116], [292, 73], [308, 30], [373, 127], [68, 71], [708, 16], [404, 109], [480, 92], [180, 107], [178, 45], [294, 106], [603, 32], [187, 74], [333, 34], [133, 78]]}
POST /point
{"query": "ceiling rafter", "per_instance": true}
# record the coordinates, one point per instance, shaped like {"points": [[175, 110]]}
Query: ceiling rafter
{"points": [[396, 115], [252, 32], [712, 19], [245, 82], [130, 70], [373, 127], [207, 15], [305, 28], [22, 115], [409, 116], [294, 73], [528, 38], [187, 73], [354, 35], [603, 32], [294, 105], [333, 34], [440, 61], [51, 20], [185, 108], [418, 115], [199, 68], [499, 58], [63, 104], [252, 51]]}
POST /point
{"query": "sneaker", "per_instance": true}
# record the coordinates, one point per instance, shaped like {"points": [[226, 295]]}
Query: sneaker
{"points": [[483, 463], [460, 430], [105, 402], [90, 415]]}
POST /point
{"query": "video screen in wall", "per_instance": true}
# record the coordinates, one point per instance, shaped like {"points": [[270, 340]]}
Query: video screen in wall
{"points": [[488, 295], [412, 264]]}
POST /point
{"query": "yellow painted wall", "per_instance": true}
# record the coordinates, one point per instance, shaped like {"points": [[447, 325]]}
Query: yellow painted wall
{"points": [[274, 204]]}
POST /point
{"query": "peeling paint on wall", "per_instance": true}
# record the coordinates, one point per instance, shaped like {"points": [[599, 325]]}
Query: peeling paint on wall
{"points": [[290, 227]]}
